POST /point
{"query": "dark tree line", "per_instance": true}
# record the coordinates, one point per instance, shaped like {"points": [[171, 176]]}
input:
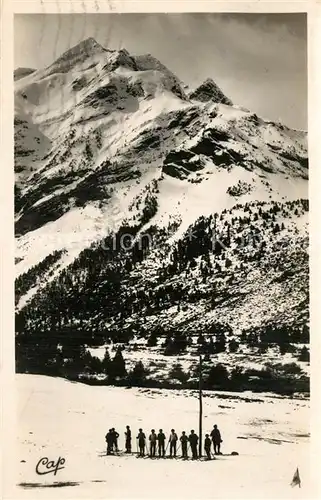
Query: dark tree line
{"points": [[77, 363]]}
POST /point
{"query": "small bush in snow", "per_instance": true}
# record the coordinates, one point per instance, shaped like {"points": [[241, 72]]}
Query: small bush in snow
{"points": [[137, 376], [177, 373]]}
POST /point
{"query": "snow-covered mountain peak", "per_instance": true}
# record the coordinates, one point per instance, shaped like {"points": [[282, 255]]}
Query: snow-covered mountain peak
{"points": [[84, 48], [88, 49], [88, 83], [209, 91]]}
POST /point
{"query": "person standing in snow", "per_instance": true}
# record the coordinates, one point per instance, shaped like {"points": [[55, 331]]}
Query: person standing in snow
{"points": [[161, 443], [217, 440], [109, 441], [184, 440], [193, 439], [141, 442], [152, 440], [128, 439], [115, 438], [207, 446], [172, 442]]}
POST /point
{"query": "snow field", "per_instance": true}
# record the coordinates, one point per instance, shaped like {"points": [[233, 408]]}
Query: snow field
{"points": [[70, 420]]}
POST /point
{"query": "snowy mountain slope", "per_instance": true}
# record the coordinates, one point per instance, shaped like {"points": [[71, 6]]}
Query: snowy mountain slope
{"points": [[123, 152], [154, 146], [30, 146]]}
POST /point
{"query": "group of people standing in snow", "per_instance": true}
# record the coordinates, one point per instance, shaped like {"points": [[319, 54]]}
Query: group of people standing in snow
{"points": [[158, 441]]}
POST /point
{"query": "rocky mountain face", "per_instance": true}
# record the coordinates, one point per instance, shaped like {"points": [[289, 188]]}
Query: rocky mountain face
{"points": [[209, 91], [146, 216], [22, 72]]}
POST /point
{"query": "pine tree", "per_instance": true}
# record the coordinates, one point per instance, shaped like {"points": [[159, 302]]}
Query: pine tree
{"points": [[233, 346], [237, 377], [211, 346], [180, 342], [177, 344], [118, 366], [217, 377], [95, 365], [228, 262], [177, 373], [152, 341], [105, 364], [305, 334], [220, 343], [304, 354], [253, 339], [243, 337], [168, 339], [88, 152], [137, 376]]}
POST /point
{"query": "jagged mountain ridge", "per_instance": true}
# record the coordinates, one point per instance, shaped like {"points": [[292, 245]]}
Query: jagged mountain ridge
{"points": [[123, 146]]}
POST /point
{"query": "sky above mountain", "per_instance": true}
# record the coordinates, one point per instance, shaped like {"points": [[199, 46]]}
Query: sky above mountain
{"points": [[259, 60]]}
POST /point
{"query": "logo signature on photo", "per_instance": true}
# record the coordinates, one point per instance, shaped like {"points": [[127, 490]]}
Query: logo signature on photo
{"points": [[46, 466]]}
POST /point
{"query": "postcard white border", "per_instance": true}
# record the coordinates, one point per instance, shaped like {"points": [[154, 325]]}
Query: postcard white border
{"points": [[8, 8]]}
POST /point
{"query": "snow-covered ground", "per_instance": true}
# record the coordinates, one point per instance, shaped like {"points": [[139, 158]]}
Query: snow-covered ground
{"points": [[57, 418]]}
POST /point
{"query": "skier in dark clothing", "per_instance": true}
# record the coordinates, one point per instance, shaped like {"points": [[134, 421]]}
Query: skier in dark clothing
{"points": [[217, 440], [152, 440], [172, 442], [193, 439], [161, 443], [141, 442], [207, 446], [109, 441], [115, 437], [184, 440], [128, 439]]}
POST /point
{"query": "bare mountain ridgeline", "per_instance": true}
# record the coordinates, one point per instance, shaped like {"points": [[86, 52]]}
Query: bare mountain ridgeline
{"points": [[177, 224]]}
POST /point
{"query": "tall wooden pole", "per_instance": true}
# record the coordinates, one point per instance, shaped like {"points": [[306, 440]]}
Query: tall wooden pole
{"points": [[201, 408]]}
